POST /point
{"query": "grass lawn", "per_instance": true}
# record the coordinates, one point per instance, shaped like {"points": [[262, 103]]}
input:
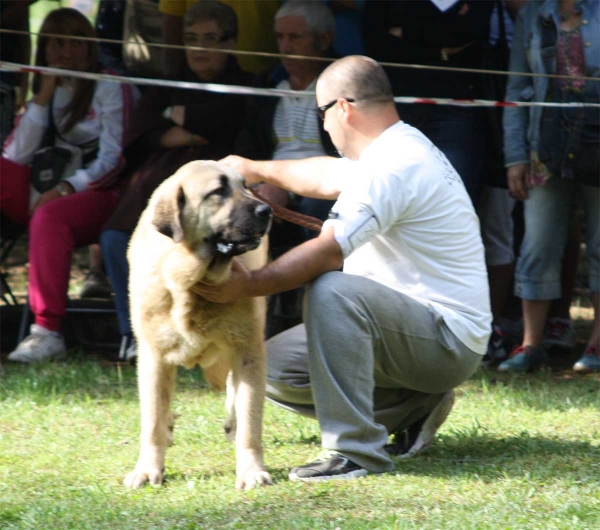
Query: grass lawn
{"points": [[517, 452]]}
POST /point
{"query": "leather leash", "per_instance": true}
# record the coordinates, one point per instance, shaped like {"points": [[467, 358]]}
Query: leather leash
{"points": [[312, 223]]}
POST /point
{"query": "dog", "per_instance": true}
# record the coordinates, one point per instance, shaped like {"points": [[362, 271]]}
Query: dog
{"points": [[195, 223]]}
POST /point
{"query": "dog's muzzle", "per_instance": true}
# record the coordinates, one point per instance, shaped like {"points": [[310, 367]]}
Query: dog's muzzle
{"points": [[263, 216]]}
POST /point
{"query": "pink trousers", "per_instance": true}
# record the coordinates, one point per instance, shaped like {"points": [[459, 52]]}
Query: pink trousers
{"points": [[55, 229]]}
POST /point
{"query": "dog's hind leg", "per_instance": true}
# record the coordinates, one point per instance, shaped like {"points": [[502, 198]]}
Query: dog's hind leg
{"points": [[249, 381], [156, 381]]}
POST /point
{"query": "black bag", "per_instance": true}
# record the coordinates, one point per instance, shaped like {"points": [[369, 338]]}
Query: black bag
{"points": [[51, 163], [48, 167]]}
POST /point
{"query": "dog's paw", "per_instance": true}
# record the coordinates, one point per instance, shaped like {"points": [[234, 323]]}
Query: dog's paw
{"points": [[137, 478], [253, 479]]}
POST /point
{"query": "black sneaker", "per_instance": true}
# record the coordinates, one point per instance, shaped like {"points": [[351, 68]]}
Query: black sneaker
{"points": [[330, 466], [420, 435], [497, 351]]}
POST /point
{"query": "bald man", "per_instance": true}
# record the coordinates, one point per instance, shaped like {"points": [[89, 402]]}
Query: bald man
{"points": [[396, 312]]}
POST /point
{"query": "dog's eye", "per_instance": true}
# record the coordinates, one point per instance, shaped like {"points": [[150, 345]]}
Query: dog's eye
{"points": [[221, 191]]}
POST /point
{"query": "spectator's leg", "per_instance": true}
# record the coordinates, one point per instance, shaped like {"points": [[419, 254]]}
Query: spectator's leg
{"points": [[14, 191], [538, 276], [114, 245], [55, 230], [591, 198], [495, 215]]}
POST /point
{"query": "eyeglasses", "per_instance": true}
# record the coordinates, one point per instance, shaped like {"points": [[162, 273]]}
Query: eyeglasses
{"points": [[208, 40], [322, 110]]}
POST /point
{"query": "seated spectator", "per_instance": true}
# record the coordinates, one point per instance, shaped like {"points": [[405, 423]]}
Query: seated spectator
{"points": [[171, 127], [255, 35], [552, 156], [289, 127], [72, 213]]}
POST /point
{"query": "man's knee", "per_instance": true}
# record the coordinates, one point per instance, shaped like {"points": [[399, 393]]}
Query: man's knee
{"points": [[324, 289]]}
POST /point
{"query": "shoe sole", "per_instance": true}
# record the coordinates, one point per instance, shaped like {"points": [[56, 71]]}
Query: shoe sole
{"points": [[27, 360], [581, 369], [433, 422], [346, 476]]}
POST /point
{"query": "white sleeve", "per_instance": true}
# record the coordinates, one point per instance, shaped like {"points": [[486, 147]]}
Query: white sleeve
{"points": [[113, 102], [26, 138], [368, 206]]}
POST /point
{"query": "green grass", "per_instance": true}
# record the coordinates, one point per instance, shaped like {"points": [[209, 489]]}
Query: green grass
{"points": [[517, 452]]}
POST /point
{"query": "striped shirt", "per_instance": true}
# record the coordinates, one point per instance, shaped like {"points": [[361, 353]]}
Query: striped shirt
{"points": [[296, 126]]}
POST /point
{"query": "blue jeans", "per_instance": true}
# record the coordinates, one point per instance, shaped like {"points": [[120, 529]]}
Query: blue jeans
{"points": [[547, 211], [114, 245], [460, 133]]}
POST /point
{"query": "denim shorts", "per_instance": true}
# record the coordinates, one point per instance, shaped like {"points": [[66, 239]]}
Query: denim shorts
{"points": [[547, 210]]}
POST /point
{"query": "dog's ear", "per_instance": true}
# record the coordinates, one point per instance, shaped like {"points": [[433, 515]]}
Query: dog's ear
{"points": [[168, 215]]}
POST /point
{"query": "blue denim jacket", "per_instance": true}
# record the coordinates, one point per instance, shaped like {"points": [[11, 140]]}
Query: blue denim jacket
{"points": [[530, 54]]}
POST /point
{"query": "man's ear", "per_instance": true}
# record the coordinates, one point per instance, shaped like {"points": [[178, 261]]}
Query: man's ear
{"points": [[168, 215]]}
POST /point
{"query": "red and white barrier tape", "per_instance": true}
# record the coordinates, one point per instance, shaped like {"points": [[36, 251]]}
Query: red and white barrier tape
{"points": [[235, 89]]}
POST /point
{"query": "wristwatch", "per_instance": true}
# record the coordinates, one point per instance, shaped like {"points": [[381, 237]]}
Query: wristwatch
{"points": [[64, 189]]}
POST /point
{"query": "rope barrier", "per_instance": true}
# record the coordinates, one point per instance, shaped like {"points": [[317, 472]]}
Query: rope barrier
{"points": [[305, 57], [235, 89]]}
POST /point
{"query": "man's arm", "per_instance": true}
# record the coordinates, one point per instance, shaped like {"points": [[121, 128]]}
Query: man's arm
{"points": [[297, 267], [309, 177]]}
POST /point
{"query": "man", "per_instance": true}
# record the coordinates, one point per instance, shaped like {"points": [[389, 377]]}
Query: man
{"points": [[385, 341]]}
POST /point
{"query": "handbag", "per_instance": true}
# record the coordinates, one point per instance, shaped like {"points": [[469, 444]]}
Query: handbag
{"points": [[57, 158]]}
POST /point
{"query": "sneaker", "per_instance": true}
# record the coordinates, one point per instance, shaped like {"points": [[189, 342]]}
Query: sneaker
{"points": [[41, 345], [590, 361], [496, 349], [559, 333], [96, 285], [330, 465], [420, 435], [524, 358], [128, 349]]}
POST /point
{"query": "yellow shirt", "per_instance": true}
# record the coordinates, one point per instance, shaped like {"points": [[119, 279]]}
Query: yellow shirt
{"points": [[256, 21]]}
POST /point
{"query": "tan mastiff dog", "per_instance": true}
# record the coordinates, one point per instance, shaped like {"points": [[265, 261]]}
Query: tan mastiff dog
{"points": [[195, 222]]}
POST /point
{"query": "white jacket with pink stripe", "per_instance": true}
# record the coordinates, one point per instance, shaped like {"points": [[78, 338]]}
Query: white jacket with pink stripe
{"points": [[106, 121]]}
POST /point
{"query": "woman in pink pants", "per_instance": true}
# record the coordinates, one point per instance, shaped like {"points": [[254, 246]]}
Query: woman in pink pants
{"points": [[72, 213]]}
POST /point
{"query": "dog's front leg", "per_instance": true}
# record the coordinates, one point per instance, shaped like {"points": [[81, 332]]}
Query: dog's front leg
{"points": [[156, 381], [249, 380]]}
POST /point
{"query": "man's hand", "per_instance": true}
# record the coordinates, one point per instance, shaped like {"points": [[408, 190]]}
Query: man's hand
{"points": [[233, 289], [245, 167], [519, 180]]}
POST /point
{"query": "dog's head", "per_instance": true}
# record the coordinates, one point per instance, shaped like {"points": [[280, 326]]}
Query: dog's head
{"points": [[206, 204]]}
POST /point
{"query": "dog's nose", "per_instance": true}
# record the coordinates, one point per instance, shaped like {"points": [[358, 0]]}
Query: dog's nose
{"points": [[262, 210]]}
